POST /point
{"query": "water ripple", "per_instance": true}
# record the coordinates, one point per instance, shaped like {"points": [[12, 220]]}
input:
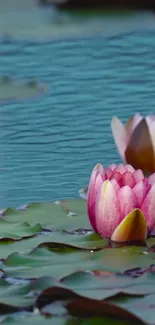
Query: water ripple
{"points": [[48, 147]]}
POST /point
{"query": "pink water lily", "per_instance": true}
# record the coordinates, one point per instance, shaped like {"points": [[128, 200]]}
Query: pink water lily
{"points": [[121, 202], [136, 141]]}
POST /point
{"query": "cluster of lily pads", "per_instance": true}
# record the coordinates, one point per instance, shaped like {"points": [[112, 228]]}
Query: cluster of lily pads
{"points": [[85, 262], [55, 269]]}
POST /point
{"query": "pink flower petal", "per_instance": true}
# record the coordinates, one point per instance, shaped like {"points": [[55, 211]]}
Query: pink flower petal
{"points": [[93, 188], [135, 121], [121, 169], [115, 185], [140, 190], [140, 152], [108, 173], [112, 166], [151, 179], [151, 126], [107, 210], [148, 208], [152, 117], [150, 120], [120, 135], [127, 179], [129, 168], [116, 175], [127, 201], [138, 175]]}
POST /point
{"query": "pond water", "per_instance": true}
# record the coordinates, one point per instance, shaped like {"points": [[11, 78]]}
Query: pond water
{"points": [[49, 144]]}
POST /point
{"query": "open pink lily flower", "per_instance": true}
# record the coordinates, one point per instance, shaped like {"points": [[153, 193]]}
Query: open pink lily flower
{"points": [[136, 141], [121, 202]]}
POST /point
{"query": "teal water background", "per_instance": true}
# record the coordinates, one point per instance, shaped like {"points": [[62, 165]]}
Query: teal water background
{"points": [[49, 145]]}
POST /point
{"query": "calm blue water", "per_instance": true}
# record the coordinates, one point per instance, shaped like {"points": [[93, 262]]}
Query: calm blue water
{"points": [[49, 146]]}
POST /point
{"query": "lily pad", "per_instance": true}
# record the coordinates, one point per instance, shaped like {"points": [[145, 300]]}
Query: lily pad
{"points": [[65, 270], [33, 319], [14, 295], [23, 295], [55, 240], [71, 260], [40, 23], [142, 307], [83, 307], [66, 215], [42, 262], [17, 231], [11, 90]]}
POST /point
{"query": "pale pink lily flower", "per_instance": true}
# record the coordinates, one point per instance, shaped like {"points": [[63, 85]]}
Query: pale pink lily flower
{"points": [[121, 202], [136, 141]]}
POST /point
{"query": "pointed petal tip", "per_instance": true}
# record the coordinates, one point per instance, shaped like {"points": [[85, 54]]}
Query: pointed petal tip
{"points": [[115, 118], [132, 228], [120, 135], [98, 168]]}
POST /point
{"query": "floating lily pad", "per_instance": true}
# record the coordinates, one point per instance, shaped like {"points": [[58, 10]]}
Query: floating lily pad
{"points": [[142, 307], [42, 262], [65, 215], [23, 295], [15, 295], [11, 90], [55, 240], [33, 319], [65, 270], [78, 306], [59, 262], [35, 22], [17, 231]]}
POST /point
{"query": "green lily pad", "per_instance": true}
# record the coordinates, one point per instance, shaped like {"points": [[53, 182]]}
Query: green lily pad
{"points": [[150, 242], [59, 261], [37, 23], [14, 295], [42, 319], [75, 267], [101, 287], [29, 319], [142, 307], [88, 242], [23, 293], [17, 231], [78, 306], [121, 259], [66, 215], [42, 262], [33, 319], [13, 90]]}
